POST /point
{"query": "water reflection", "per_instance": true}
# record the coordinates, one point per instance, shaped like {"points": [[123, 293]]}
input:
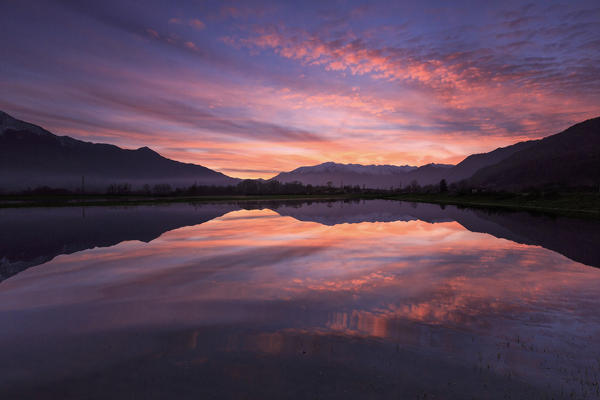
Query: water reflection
{"points": [[33, 236], [307, 301]]}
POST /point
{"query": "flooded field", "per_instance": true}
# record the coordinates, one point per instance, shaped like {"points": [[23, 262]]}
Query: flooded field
{"points": [[377, 299]]}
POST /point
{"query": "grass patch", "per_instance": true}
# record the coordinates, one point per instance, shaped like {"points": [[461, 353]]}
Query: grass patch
{"points": [[571, 204]]}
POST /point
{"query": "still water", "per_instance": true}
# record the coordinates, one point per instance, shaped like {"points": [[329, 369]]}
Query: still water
{"points": [[369, 299]]}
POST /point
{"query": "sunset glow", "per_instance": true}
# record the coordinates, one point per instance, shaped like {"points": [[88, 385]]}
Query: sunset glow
{"points": [[254, 88]]}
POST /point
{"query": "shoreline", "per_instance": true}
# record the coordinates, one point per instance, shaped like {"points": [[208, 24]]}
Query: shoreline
{"points": [[568, 204], [581, 205], [103, 200]]}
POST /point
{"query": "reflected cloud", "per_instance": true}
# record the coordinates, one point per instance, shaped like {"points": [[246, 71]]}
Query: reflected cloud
{"points": [[292, 282], [90, 227]]}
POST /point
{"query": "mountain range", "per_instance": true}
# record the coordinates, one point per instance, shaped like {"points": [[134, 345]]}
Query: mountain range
{"points": [[382, 176], [31, 156], [568, 159]]}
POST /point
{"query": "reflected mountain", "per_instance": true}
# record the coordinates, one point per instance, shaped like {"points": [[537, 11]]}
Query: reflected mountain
{"points": [[574, 238], [33, 236]]}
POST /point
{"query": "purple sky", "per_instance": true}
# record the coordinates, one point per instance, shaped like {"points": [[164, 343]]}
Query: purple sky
{"points": [[253, 88]]}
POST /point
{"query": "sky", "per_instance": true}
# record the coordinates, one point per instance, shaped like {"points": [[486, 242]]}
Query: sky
{"points": [[253, 88]]}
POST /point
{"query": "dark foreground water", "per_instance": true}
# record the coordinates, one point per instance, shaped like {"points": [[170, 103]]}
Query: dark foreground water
{"points": [[374, 299]]}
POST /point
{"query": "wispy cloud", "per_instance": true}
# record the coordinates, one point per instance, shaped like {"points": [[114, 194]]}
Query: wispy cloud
{"points": [[194, 22]]}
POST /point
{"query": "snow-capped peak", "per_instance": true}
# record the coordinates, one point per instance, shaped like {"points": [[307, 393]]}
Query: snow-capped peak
{"points": [[373, 169]]}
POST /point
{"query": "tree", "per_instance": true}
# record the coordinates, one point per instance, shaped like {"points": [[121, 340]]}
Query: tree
{"points": [[414, 186], [443, 186], [119, 188], [162, 189]]}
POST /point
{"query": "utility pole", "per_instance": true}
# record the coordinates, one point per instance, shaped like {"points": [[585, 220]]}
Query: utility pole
{"points": [[82, 184]]}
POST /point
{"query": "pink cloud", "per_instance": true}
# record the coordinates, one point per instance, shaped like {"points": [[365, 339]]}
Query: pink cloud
{"points": [[194, 23], [455, 82], [152, 33], [197, 24], [190, 45]]}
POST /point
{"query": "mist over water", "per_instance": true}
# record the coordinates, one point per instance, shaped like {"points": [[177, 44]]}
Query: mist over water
{"points": [[296, 300]]}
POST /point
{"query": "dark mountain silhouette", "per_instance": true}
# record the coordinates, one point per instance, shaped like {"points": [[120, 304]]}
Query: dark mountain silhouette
{"points": [[369, 176], [467, 167], [31, 156], [429, 174], [570, 158]]}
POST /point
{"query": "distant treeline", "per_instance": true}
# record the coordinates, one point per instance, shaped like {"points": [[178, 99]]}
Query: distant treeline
{"points": [[251, 187]]}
